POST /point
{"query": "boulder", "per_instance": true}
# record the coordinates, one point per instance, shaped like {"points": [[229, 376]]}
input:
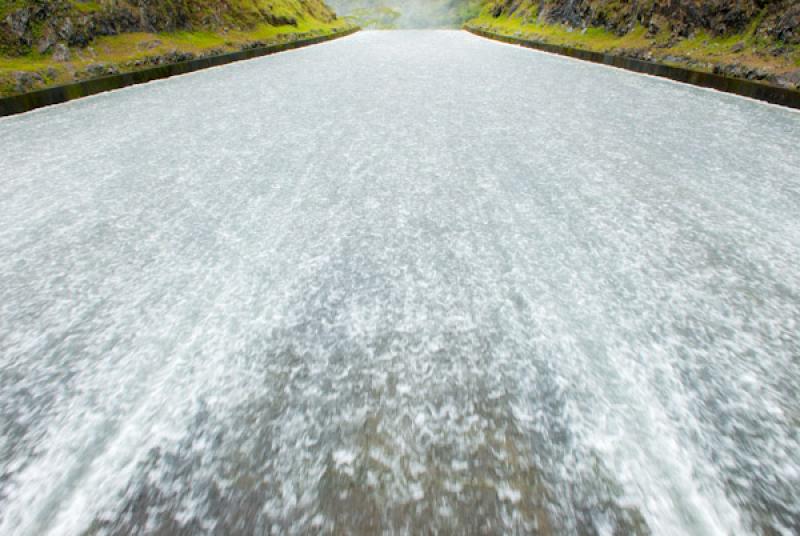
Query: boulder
{"points": [[47, 41], [61, 53], [786, 27], [17, 22], [149, 45], [789, 80], [26, 81], [657, 24], [97, 69]]}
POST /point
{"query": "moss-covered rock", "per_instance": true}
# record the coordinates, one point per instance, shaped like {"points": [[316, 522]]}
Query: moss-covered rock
{"points": [[750, 39], [779, 19], [38, 25], [55, 42]]}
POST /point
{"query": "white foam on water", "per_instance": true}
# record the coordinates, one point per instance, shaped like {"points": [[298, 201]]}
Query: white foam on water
{"points": [[494, 290]]}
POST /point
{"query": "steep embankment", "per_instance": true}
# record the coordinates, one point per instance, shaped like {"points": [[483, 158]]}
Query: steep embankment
{"points": [[753, 39], [48, 42]]}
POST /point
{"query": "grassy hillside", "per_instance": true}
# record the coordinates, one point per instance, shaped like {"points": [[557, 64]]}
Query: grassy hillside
{"points": [[377, 18], [50, 42], [753, 39], [387, 14]]}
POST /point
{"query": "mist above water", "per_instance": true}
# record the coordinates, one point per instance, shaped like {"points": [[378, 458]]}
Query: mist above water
{"points": [[405, 13]]}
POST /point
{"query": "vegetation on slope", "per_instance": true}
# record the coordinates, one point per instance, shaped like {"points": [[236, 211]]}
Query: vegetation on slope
{"points": [[387, 14], [51, 42], [378, 17], [754, 39]]}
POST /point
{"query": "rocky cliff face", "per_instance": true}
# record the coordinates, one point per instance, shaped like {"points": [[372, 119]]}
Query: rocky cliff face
{"points": [[40, 25], [778, 20]]}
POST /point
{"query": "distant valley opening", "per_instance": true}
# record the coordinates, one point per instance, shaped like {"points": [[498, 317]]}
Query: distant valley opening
{"points": [[405, 14]]}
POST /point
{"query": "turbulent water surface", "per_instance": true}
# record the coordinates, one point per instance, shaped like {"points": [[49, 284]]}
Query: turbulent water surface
{"points": [[403, 280]]}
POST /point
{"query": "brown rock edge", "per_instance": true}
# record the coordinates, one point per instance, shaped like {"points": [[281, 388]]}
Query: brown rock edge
{"points": [[26, 102], [746, 88]]}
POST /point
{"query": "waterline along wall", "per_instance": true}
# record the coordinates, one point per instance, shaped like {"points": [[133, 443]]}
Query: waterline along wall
{"points": [[745, 88], [17, 104]]}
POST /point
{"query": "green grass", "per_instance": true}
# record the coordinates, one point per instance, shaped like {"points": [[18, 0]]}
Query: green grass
{"points": [[198, 40], [128, 47], [87, 7], [597, 39], [7, 6], [33, 62]]}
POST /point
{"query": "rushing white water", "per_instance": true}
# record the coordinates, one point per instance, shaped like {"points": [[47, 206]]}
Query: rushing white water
{"points": [[403, 280]]}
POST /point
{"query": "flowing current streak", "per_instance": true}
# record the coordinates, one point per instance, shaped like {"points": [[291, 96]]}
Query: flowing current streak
{"points": [[399, 281]]}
